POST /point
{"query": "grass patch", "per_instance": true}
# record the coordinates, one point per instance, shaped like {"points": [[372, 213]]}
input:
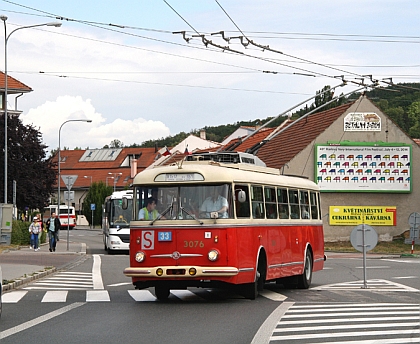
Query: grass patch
{"points": [[8, 247], [395, 246]]}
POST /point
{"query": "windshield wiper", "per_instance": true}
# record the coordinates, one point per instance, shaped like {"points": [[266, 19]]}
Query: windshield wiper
{"points": [[164, 212], [192, 215]]}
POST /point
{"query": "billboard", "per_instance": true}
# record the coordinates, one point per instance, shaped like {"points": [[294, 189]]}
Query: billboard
{"points": [[363, 167], [370, 215]]}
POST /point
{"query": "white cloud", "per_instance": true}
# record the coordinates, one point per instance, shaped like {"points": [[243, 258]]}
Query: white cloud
{"points": [[49, 116]]}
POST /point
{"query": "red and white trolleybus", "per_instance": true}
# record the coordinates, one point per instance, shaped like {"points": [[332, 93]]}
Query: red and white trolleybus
{"points": [[267, 228]]}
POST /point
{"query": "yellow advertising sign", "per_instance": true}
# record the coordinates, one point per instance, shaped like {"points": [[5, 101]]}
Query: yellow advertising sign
{"points": [[355, 215]]}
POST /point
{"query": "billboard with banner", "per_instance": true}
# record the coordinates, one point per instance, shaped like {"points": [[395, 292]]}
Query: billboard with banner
{"points": [[370, 215], [363, 167]]}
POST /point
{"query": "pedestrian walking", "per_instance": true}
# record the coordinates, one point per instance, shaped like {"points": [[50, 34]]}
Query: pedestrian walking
{"points": [[35, 229], [53, 225]]}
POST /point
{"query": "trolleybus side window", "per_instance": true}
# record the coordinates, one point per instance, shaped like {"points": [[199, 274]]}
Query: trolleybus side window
{"points": [[270, 203], [283, 203], [314, 205], [294, 204], [257, 202], [242, 208], [304, 204]]}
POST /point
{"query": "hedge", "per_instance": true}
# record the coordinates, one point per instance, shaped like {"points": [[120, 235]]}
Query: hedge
{"points": [[21, 236]]}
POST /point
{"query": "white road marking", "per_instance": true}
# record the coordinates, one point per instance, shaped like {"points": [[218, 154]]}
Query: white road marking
{"points": [[272, 295], [119, 284], [96, 273], [372, 285], [405, 277], [13, 297], [185, 295], [142, 295], [266, 329], [55, 296], [325, 323], [97, 296], [40, 319]]}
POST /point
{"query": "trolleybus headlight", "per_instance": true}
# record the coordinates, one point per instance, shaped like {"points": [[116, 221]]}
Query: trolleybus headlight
{"points": [[159, 271], [213, 255], [140, 256], [192, 271]]}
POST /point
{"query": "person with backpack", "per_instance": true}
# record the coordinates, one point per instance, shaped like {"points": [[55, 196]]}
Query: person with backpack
{"points": [[35, 229], [53, 225]]}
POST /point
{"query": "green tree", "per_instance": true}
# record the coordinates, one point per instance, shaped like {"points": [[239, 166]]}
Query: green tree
{"points": [[96, 195], [35, 175], [414, 117]]}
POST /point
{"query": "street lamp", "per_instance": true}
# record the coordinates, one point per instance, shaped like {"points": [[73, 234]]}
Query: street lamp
{"points": [[91, 224], [115, 174], [107, 180], [59, 163], [6, 39], [90, 179]]}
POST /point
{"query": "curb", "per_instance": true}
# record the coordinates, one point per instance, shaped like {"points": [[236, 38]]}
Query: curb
{"points": [[24, 280], [410, 255], [45, 272]]}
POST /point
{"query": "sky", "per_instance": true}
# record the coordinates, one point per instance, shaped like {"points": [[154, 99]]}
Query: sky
{"points": [[119, 64]]}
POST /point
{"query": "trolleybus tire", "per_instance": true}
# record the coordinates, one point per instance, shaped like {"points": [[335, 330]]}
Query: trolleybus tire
{"points": [[162, 293], [304, 280], [249, 290]]}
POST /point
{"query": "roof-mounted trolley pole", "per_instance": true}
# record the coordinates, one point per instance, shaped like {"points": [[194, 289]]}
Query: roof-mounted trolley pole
{"points": [[283, 113], [257, 146]]}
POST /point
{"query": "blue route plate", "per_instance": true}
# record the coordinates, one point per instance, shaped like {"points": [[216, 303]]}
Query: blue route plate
{"points": [[164, 236]]}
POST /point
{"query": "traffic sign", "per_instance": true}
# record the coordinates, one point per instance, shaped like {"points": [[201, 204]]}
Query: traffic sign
{"points": [[414, 220], [363, 236], [92, 206], [69, 180], [69, 195]]}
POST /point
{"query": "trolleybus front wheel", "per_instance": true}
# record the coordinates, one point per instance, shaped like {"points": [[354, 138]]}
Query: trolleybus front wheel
{"points": [[162, 293]]}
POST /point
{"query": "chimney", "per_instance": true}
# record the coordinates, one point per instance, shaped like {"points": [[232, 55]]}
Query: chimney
{"points": [[133, 164], [203, 134]]}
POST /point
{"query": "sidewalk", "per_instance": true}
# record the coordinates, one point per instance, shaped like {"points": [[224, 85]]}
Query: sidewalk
{"points": [[23, 265]]}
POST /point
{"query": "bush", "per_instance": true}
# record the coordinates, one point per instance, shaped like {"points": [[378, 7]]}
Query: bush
{"points": [[21, 236]]}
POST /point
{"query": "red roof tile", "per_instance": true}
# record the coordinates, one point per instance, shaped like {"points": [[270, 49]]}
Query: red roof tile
{"points": [[13, 85], [99, 170], [297, 136]]}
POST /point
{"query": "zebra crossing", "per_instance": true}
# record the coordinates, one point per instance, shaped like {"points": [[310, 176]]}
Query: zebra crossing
{"points": [[341, 323], [60, 296], [372, 285], [64, 281]]}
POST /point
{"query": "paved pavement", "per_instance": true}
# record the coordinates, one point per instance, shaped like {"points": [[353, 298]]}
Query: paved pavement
{"points": [[24, 265]]}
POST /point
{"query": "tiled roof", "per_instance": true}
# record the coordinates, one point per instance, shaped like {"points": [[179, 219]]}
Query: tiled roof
{"points": [[99, 170], [254, 139], [297, 136], [13, 85]]}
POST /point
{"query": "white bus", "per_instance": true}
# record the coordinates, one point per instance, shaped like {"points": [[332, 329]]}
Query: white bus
{"points": [[67, 215], [116, 221]]}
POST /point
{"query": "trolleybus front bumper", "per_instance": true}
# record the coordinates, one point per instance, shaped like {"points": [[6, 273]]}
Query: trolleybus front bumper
{"points": [[181, 271]]}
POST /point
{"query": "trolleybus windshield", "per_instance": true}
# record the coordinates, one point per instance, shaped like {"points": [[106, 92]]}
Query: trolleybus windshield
{"points": [[186, 202]]}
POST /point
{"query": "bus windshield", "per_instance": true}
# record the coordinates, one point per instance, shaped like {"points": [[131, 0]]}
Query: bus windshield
{"points": [[183, 202], [119, 217]]}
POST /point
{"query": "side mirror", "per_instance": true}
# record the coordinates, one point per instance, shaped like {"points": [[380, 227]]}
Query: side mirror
{"points": [[107, 207], [242, 196], [124, 204]]}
